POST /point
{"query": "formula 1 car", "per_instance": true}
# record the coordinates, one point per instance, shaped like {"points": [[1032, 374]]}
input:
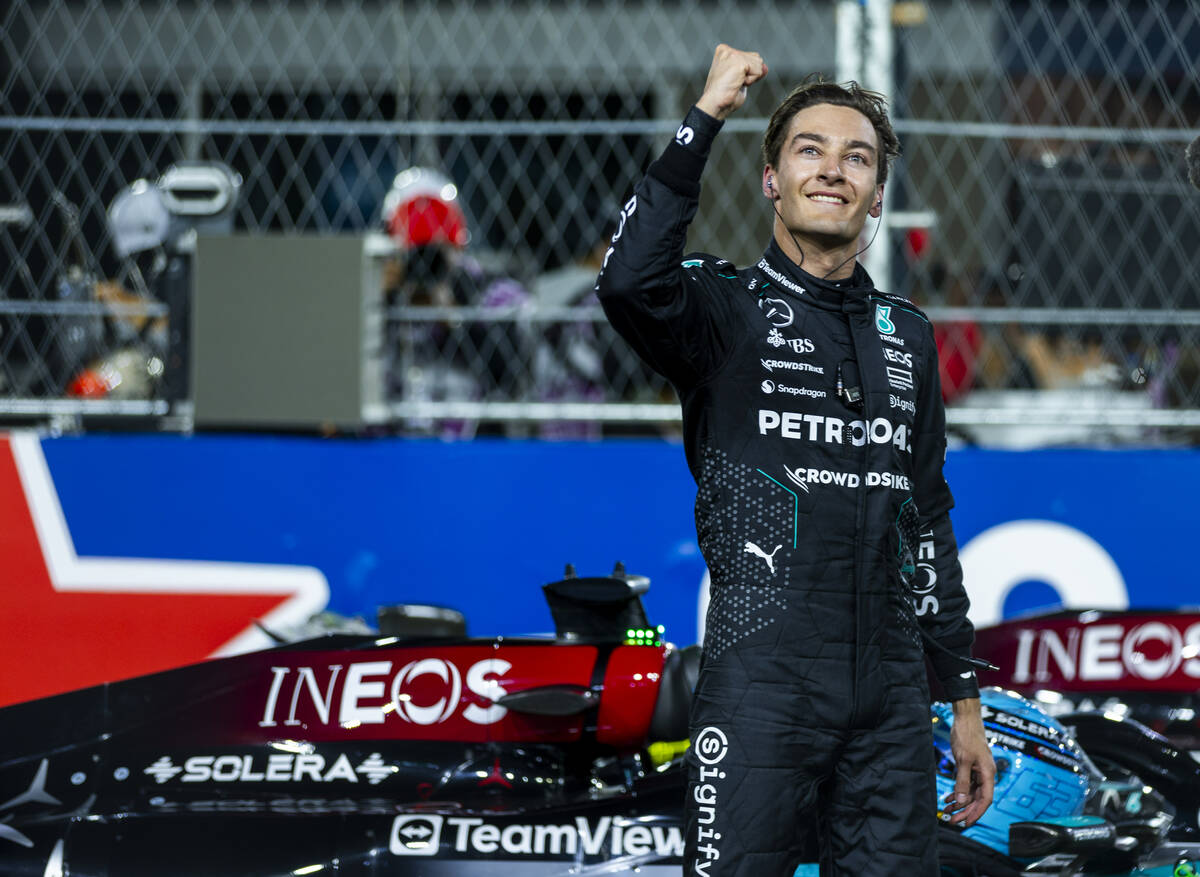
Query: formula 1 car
{"points": [[416, 750], [1141, 663]]}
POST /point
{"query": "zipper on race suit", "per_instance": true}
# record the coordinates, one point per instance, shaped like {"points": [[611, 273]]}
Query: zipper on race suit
{"points": [[859, 525]]}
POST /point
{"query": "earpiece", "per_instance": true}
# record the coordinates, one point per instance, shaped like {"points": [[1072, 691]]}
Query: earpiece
{"points": [[771, 183]]}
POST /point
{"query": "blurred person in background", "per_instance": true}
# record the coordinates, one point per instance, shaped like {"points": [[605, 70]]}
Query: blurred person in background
{"points": [[130, 363], [815, 430], [569, 365], [1001, 363], [447, 357], [1063, 359]]}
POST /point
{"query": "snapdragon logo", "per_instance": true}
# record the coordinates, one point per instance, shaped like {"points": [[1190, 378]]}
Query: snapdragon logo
{"points": [[779, 278], [801, 391], [772, 387]]}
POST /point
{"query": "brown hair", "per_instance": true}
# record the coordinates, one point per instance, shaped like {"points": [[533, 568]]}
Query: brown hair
{"points": [[816, 90]]}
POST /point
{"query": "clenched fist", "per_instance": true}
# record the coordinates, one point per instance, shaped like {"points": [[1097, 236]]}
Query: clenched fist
{"points": [[731, 73]]}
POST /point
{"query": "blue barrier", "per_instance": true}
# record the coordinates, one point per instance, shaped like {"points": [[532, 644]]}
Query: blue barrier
{"points": [[480, 525]]}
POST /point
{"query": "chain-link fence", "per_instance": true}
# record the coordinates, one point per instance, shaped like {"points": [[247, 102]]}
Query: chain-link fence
{"points": [[1041, 212]]}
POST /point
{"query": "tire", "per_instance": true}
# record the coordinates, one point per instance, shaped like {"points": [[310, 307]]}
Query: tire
{"points": [[960, 857]]}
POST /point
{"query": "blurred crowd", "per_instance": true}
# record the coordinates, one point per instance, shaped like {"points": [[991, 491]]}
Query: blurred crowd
{"points": [[464, 326]]}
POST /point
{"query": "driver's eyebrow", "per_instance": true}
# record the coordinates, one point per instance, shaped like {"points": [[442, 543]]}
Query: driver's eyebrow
{"points": [[822, 139]]}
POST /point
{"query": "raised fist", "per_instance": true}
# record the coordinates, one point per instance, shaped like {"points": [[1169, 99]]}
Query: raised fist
{"points": [[732, 71]]}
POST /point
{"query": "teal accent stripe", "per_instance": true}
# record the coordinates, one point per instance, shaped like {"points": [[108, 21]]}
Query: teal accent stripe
{"points": [[795, 507], [901, 307]]}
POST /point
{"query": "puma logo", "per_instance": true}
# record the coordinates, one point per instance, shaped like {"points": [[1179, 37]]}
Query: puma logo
{"points": [[751, 548]]}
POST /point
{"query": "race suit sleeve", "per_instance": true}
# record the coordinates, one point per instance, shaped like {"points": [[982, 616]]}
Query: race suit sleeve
{"points": [[942, 610], [666, 310]]}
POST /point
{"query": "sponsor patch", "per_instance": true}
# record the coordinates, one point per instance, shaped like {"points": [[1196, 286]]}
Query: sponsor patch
{"points": [[777, 311], [883, 320], [898, 356], [804, 477], [772, 387], [791, 365], [711, 746], [899, 378], [605, 838], [416, 835], [799, 345], [779, 277], [275, 767], [1120, 651], [751, 548], [369, 692], [833, 430]]}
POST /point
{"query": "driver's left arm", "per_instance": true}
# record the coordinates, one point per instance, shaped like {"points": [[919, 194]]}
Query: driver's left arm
{"points": [[940, 599]]}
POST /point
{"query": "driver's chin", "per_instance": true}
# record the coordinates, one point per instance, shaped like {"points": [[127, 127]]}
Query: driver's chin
{"points": [[829, 232]]}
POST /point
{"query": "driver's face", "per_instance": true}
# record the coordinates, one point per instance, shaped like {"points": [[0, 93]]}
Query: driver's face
{"points": [[825, 179]]}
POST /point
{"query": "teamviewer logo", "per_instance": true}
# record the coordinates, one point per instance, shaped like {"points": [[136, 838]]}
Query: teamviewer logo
{"points": [[416, 835]]}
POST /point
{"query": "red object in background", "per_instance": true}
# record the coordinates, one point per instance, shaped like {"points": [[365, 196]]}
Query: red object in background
{"points": [[449, 693], [958, 350], [88, 384], [631, 682], [917, 242], [425, 220]]}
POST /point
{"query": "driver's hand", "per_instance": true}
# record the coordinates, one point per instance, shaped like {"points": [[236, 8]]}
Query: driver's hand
{"points": [[731, 73], [975, 776]]}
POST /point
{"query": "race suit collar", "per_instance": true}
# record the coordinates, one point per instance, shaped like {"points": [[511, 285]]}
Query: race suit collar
{"points": [[786, 275]]}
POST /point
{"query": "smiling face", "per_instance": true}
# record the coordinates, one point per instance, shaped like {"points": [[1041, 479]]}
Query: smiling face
{"points": [[824, 183]]}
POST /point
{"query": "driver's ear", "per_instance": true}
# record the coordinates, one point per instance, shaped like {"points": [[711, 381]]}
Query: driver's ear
{"points": [[877, 208], [768, 183]]}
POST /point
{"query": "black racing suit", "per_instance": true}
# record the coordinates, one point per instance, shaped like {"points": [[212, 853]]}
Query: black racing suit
{"points": [[815, 430]]}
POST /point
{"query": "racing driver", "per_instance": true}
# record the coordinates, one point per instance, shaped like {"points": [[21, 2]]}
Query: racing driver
{"points": [[814, 428]]}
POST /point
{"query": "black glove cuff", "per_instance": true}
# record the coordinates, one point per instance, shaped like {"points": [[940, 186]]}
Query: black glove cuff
{"points": [[682, 162]]}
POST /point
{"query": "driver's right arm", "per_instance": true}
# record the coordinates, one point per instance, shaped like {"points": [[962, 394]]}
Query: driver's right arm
{"points": [[667, 311]]}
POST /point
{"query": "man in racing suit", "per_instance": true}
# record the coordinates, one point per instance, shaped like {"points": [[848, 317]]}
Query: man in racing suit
{"points": [[815, 431]]}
